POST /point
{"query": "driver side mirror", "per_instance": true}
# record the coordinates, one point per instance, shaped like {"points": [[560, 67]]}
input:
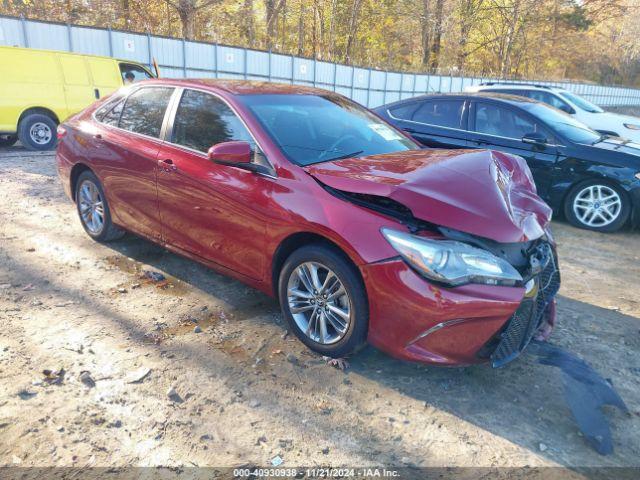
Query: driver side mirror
{"points": [[535, 138], [231, 153]]}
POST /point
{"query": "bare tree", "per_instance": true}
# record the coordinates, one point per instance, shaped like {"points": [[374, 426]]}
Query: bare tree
{"points": [[272, 10], [187, 11], [353, 29], [437, 35], [425, 26]]}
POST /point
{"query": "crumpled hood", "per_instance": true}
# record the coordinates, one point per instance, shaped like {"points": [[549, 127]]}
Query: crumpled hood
{"points": [[482, 192]]}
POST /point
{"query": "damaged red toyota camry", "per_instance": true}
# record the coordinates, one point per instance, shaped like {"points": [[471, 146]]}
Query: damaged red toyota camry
{"points": [[435, 256]]}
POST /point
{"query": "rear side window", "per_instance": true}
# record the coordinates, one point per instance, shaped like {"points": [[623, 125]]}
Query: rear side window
{"points": [[203, 120], [404, 111], [446, 113], [549, 99], [144, 110], [110, 113]]}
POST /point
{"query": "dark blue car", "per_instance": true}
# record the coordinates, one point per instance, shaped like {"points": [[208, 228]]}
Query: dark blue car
{"points": [[592, 178]]}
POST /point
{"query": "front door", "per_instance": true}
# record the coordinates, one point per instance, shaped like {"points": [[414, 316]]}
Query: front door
{"points": [[217, 212], [502, 128]]}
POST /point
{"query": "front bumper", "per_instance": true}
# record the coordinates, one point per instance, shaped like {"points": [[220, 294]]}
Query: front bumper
{"points": [[412, 319]]}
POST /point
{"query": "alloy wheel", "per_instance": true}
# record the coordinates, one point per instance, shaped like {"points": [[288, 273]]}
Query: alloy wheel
{"points": [[40, 133], [597, 205], [319, 303], [91, 207]]}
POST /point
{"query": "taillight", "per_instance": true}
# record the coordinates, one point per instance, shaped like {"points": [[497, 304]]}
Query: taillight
{"points": [[61, 132]]}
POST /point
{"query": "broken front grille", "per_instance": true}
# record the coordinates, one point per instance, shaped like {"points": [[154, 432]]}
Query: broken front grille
{"points": [[527, 319]]}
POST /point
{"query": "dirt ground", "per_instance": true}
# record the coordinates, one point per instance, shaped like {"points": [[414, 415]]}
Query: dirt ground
{"points": [[245, 391]]}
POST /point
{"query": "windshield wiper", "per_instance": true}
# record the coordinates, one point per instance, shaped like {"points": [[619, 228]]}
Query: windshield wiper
{"points": [[342, 157]]}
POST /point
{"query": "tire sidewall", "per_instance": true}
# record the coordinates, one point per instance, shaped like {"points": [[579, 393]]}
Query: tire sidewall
{"points": [[84, 176], [348, 274], [616, 225], [25, 136]]}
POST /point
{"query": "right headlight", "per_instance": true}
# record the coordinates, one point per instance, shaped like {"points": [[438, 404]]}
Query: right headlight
{"points": [[450, 262]]}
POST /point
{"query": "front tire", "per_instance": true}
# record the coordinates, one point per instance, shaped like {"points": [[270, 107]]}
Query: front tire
{"points": [[324, 300], [597, 205], [37, 132], [93, 209]]}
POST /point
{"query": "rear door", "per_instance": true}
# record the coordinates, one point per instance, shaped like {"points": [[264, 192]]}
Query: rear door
{"points": [[437, 123], [126, 150], [501, 127], [78, 90]]}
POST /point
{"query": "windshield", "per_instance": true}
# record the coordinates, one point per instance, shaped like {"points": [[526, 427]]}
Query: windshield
{"points": [[581, 102], [316, 128], [564, 124]]}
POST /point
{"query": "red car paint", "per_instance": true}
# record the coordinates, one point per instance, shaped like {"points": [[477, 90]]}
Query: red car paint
{"points": [[235, 221]]}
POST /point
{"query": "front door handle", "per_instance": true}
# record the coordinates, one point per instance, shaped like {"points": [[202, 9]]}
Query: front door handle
{"points": [[481, 142], [167, 165], [410, 130]]}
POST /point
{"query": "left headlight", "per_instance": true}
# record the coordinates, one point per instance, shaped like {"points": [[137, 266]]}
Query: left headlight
{"points": [[632, 126], [450, 262]]}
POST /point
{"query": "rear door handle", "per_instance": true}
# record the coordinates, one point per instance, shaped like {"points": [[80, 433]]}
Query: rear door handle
{"points": [[167, 165], [96, 92]]}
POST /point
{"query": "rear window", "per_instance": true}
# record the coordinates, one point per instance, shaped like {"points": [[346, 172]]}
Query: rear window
{"points": [[144, 110]]}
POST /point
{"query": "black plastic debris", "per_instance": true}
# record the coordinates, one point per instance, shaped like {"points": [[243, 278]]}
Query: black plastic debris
{"points": [[585, 392]]}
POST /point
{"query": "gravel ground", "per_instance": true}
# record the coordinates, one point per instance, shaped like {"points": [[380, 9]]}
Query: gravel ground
{"points": [[199, 369]]}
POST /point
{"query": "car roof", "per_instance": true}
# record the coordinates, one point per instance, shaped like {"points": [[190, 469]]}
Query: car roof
{"points": [[241, 87], [515, 86], [500, 97]]}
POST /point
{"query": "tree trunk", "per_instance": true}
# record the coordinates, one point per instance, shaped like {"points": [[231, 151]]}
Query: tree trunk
{"points": [[272, 9], [425, 25], [332, 22], [437, 36], [249, 23], [353, 30], [301, 30], [126, 14]]}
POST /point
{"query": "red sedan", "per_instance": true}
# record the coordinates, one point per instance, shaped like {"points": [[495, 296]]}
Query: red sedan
{"points": [[430, 255]]}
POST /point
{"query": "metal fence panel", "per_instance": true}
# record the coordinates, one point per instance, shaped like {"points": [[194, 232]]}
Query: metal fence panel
{"points": [[11, 32], [179, 58]]}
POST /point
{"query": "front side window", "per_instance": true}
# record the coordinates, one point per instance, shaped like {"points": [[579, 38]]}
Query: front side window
{"points": [[319, 128], [446, 113], [144, 110], [203, 120], [132, 73], [503, 122], [565, 125]]}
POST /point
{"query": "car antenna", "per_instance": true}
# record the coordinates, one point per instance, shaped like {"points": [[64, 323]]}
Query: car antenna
{"points": [[156, 68]]}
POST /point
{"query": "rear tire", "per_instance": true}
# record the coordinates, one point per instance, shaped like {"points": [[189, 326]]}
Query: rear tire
{"points": [[37, 132], [597, 205], [327, 310], [8, 140], [93, 209]]}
